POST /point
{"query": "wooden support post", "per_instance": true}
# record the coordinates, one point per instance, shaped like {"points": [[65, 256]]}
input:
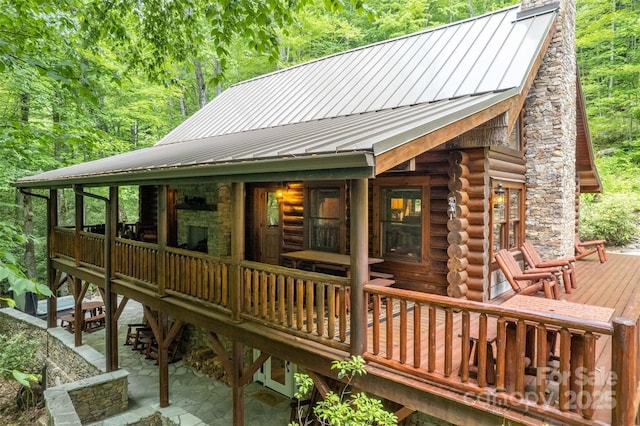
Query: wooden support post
{"points": [[623, 363], [162, 237], [78, 321], [79, 209], [237, 389], [359, 245], [163, 361], [237, 247], [111, 302], [52, 222]]}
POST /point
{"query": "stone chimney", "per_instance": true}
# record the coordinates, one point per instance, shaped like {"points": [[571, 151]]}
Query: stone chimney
{"points": [[550, 132]]}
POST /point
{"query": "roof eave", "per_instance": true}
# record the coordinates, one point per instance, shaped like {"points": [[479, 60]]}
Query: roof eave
{"points": [[348, 165]]}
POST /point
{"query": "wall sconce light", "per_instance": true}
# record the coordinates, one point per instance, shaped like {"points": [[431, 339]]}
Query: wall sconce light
{"points": [[498, 196], [451, 208], [397, 203], [279, 194]]}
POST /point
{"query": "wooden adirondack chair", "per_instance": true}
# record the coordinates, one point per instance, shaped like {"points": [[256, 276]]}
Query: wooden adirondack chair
{"points": [[566, 265], [585, 248], [527, 283]]}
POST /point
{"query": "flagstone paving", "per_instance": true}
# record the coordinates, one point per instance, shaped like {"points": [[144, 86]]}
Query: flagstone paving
{"points": [[194, 399]]}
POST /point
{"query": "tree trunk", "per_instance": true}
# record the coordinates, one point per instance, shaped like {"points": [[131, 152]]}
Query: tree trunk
{"points": [[217, 70], [29, 251], [202, 87], [183, 107]]}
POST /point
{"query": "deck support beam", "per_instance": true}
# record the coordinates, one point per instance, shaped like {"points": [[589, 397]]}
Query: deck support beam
{"points": [[237, 247], [359, 264]]}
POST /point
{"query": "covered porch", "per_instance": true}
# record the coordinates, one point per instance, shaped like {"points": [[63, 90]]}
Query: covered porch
{"points": [[305, 317]]}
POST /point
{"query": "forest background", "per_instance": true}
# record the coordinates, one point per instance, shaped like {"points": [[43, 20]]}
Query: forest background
{"points": [[84, 79]]}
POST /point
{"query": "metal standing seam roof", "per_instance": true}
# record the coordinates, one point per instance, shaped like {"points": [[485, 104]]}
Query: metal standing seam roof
{"points": [[367, 100]]}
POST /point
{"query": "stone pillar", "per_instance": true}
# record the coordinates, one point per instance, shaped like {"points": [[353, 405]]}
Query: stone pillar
{"points": [[550, 131]]}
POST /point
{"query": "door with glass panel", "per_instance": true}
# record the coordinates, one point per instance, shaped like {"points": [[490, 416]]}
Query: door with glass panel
{"points": [[267, 220]]}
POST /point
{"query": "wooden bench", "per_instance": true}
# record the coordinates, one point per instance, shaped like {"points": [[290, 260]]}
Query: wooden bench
{"points": [[69, 320], [94, 322]]}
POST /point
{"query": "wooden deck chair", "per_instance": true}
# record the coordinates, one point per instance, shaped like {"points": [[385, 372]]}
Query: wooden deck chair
{"points": [[527, 283], [586, 248], [566, 265]]}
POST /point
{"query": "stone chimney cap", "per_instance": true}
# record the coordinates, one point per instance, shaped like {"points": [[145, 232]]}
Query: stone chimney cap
{"points": [[535, 11]]}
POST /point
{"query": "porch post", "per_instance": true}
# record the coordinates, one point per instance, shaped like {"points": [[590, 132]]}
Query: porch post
{"points": [[623, 362], [111, 302], [237, 388], [52, 222], [237, 247], [79, 210], [162, 238], [359, 245]]}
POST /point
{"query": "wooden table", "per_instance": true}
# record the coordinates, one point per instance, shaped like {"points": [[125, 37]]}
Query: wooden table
{"points": [[92, 316], [328, 260]]}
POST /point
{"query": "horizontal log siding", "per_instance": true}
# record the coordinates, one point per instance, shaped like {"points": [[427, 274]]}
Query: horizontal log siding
{"points": [[293, 218], [478, 226]]}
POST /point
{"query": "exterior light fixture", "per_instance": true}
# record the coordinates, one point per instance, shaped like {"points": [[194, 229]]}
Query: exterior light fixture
{"points": [[397, 203], [451, 208], [498, 196], [279, 194]]}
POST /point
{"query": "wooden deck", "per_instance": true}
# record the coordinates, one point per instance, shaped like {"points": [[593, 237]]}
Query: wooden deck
{"points": [[418, 345]]}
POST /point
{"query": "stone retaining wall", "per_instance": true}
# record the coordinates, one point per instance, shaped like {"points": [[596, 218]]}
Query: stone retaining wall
{"points": [[78, 388]]}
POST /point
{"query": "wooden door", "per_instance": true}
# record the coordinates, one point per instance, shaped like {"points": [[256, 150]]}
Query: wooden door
{"points": [[268, 226]]}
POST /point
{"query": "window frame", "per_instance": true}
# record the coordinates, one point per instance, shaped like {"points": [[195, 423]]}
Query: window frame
{"points": [[510, 226], [309, 216], [401, 182]]}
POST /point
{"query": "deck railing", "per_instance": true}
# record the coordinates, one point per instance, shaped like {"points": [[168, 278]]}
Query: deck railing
{"points": [[625, 361], [306, 304], [432, 336], [198, 275], [136, 259], [64, 241], [92, 251]]}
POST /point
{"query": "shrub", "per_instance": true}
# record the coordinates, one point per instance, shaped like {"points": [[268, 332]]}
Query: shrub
{"points": [[344, 409], [609, 218], [18, 358]]}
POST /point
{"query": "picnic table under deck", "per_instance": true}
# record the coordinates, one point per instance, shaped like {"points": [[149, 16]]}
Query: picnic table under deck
{"points": [[93, 317]]}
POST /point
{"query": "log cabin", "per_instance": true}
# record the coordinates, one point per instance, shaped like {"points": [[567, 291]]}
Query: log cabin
{"points": [[351, 206]]}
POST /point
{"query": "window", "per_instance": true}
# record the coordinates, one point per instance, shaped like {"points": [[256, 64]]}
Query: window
{"points": [[401, 223], [508, 226], [325, 216]]}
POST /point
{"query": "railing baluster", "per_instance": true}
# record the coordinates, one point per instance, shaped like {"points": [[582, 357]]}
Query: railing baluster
{"points": [[417, 335], [432, 339], [464, 361], [543, 353], [403, 331], [565, 345], [320, 292], [309, 303], [501, 344], [448, 341], [481, 350], [588, 396], [389, 328], [376, 325]]}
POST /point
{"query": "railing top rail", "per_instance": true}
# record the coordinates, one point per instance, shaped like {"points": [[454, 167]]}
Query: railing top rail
{"points": [[92, 234], [136, 243], [558, 320], [196, 254], [297, 273], [65, 229], [632, 310]]}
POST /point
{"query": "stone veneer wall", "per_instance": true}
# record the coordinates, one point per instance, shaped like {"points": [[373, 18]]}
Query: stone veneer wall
{"points": [[550, 132], [218, 222], [78, 388]]}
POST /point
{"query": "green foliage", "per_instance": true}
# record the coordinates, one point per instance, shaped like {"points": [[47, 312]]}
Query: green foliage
{"points": [[610, 218], [345, 409], [18, 359]]}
